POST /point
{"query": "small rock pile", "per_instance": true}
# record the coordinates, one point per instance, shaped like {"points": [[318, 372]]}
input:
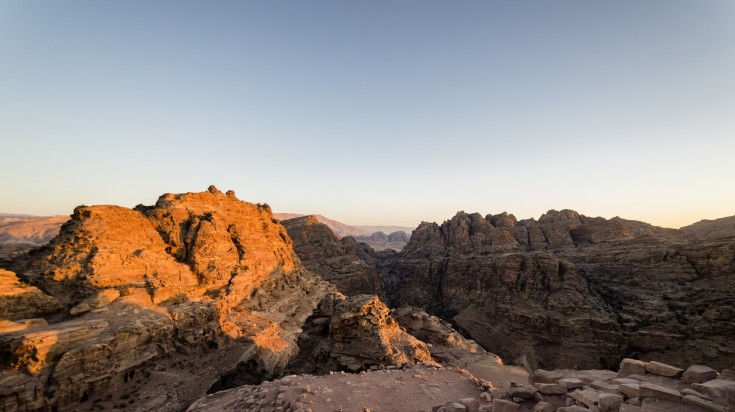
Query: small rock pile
{"points": [[638, 386]]}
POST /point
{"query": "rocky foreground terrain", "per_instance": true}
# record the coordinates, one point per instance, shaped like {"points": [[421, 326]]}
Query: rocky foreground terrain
{"points": [[152, 308], [638, 386]]}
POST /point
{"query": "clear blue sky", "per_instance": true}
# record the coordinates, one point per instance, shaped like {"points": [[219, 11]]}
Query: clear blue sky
{"points": [[373, 112]]}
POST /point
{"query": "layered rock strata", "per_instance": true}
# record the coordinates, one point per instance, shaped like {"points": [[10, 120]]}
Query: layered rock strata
{"points": [[354, 334], [199, 276], [337, 261], [572, 291]]}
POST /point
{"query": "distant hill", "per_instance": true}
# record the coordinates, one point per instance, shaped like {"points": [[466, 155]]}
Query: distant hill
{"points": [[712, 229], [19, 233], [341, 230], [381, 241], [4, 216]]}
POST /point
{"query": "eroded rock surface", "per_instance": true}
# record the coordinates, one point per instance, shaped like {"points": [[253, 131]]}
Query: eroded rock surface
{"points": [[198, 277], [354, 334], [572, 291], [337, 261], [19, 300]]}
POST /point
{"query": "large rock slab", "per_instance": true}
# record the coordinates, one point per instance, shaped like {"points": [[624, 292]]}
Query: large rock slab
{"points": [[718, 388], [699, 374], [650, 390], [698, 402], [662, 369]]}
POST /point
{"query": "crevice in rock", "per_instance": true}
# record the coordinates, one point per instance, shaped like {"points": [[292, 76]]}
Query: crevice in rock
{"points": [[246, 373]]}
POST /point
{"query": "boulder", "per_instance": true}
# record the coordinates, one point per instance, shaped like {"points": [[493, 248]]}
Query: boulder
{"points": [[502, 405], [604, 386], [453, 407], [543, 407], [609, 403], [717, 388], [551, 388], [631, 367], [471, 404], [523, 392], [571, 383], [703, 403], [662, 369], [630, 390], [650, 390], [587, 397], [699, 374]]}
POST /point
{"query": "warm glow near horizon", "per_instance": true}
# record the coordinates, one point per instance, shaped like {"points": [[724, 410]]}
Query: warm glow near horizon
{"points": [[373, 113]]}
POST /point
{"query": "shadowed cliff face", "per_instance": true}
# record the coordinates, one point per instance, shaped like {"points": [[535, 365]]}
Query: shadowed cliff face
{"points": [[572, 291], [337, 261]]}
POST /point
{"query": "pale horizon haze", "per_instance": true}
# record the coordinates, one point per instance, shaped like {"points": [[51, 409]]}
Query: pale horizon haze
{"points": [[373, 113]]}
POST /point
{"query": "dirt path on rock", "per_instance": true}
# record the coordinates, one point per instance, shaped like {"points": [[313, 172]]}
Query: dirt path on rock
{"points": [[413, 389]]}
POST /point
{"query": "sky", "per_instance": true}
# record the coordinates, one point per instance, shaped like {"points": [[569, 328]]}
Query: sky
{"points": [[373, 112]]}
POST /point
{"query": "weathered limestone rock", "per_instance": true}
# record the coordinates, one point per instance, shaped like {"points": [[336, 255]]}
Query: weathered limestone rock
{"points": [[604, 386], [650, 390], [21, 301], [450, 348], [620, 381], [543, 407], [662, 369], [587, 397], [632, 367], [523, 392], [544, 376], [502, 405], [354, 333], [454, 407], [609, 403], [471, 404], [572, 408], [718, 388], [97, 300], [571, 383], [699, 374], [630, 390], [663, 405], [702, 403], [551, 389]]}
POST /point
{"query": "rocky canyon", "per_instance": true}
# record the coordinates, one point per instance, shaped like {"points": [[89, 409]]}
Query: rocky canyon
{"points": [[207, 302]]}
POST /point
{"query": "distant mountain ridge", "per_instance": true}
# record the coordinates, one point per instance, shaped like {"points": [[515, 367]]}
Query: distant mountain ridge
{"points": [[712, 229], [341, 229], [19, 233]]}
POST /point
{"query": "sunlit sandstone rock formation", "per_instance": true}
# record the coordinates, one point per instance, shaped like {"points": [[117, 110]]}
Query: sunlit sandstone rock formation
{"points": [[151, 307]]}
